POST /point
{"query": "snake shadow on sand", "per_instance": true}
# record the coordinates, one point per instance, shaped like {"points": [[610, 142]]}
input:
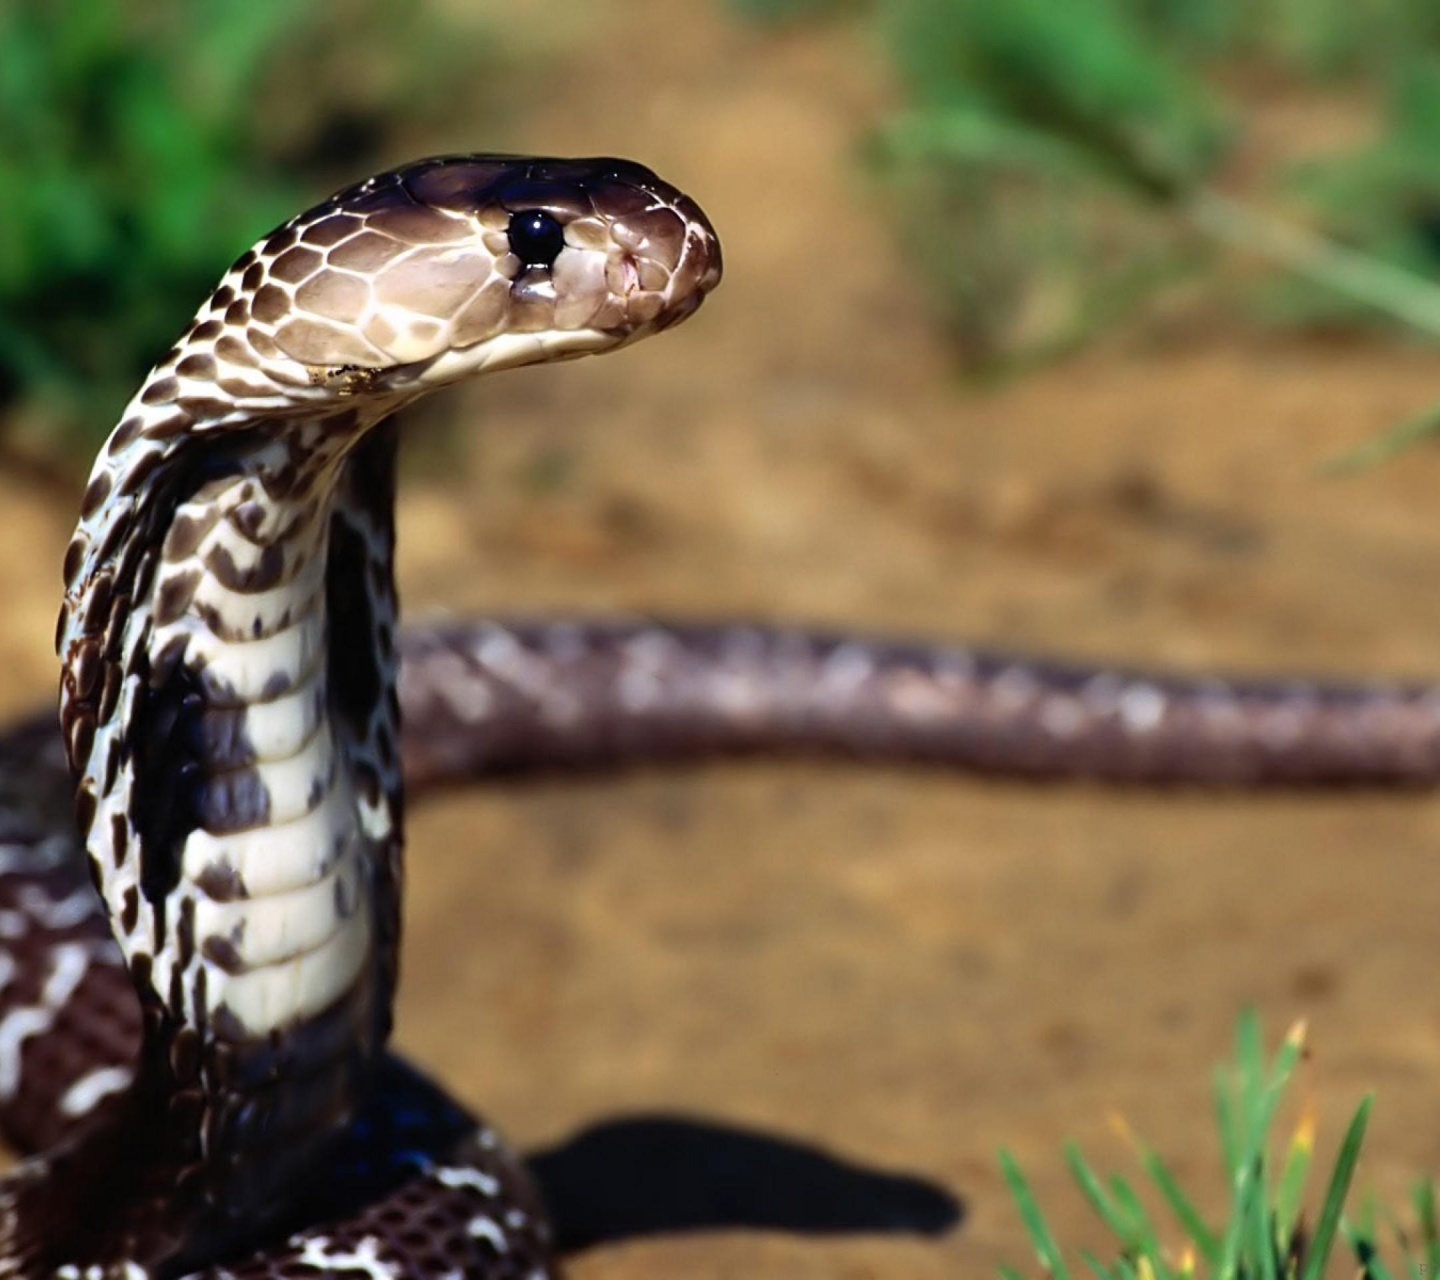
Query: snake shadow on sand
{"points": [[649, 1175], [634, 1176]]}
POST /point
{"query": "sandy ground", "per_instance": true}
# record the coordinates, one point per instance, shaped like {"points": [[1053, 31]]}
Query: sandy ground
{"points": [[906, 970]]}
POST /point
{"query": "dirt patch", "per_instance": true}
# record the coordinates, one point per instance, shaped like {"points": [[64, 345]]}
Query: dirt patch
{"points": [[906, 969]]}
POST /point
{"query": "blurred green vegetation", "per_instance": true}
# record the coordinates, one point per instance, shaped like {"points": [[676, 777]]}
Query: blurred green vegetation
{"points": [[144, 146], [1036, 142], [1056, 163], [1097, 133], [781, 12], [1321, 38]]}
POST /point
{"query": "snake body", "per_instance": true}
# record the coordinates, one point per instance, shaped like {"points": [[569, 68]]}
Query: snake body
{"points": [[494, 697], [197, 1053], [230, 719]]}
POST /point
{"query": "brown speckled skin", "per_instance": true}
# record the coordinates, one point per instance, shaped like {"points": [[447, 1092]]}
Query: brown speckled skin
{"points": [[496, 698]]}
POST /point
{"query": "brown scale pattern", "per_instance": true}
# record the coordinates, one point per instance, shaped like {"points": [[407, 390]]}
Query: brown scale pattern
{"points": [[227, 1116], [495, 697], [492, 1224], [1347, 735]]}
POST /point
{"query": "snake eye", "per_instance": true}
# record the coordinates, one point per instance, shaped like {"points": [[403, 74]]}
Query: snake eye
{"points": [[535, 237]]}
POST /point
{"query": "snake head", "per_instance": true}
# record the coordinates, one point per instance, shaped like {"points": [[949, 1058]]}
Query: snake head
{"points": [[450, 266]]}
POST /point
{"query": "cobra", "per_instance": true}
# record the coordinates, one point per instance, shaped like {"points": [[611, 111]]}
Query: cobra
{"points": [[230, 709], [229, 714]]}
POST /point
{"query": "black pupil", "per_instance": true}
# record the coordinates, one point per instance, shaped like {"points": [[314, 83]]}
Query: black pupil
{"points": [[535, 237]]}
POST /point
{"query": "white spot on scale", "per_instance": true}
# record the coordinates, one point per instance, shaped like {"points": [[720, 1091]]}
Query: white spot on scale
{"points": [[319, 1252], [652, 647], [458, 1176], [499, 651], [59, 913], [468, 698], [646, 655], [483, 1228], [1014, 688], [1103, 692], [90, 1090], [848, 667], [15, 1028], [1142, 707], [27, 859], [1283, 727], [639, 689], [737, 695], [68, 963], [915, 695], [1062, 716], [376, 820]]}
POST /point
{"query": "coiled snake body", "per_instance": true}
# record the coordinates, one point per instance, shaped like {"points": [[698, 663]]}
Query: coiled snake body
{"points": [[229, 714], [232, 691]]}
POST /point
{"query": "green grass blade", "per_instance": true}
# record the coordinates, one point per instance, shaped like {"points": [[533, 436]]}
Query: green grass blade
{"points": [[1094, 1191], [1227, 1123], [1205, 1241], [1362, 1245], [1423, 1199], [1146, 1243], [1102, 1272], [1040, 1236], [1244, 1186], [1335, 1194], [1261, 1241], [1291, 1185], [1381, 448]]}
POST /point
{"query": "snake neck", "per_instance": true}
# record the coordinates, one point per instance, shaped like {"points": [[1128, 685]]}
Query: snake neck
{"points": [[228, 705]]}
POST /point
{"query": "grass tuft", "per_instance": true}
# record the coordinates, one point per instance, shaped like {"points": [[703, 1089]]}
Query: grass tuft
{"points": [[1264, 1235]]}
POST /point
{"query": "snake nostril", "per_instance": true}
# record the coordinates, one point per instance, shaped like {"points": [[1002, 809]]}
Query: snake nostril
{"points": [[536, 238]]}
